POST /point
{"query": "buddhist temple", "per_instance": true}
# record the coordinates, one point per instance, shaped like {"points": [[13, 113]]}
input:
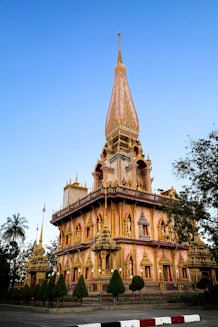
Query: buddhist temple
{"points": [[120, 224], [37, 266]]}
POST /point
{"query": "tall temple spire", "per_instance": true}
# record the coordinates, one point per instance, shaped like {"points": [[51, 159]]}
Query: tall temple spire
{"points": [[120, 61], [43, 214], [122, 159], [122, 119]]}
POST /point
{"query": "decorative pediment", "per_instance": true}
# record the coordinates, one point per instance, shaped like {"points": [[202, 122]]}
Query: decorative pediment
{"points": [[66, 266], [143, 220], [76, 264], [69, 231], [90, 222], [89, 262], [145, 261], [164, 261]]}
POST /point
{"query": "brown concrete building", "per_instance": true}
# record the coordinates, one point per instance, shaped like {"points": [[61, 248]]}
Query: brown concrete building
{"points": [[120, 224]]}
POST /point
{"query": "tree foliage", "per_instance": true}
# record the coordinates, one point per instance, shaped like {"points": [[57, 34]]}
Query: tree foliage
{"points": [[197, 208], [51, 288], [80, 290], [116, 286], [60, 287], [51, 251], [137, 283], [14, 229], [42, 291], [16, 257], [4, 270], [203, 283], [25, 293]]}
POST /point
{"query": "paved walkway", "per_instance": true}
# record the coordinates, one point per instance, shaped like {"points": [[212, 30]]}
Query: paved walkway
{"points": [[124, 315]]}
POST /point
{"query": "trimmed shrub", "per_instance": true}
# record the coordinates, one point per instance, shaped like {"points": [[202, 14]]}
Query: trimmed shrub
{"points": [[80, 290], [116, 286], [185, 297], [137, 284], [203, 283]]}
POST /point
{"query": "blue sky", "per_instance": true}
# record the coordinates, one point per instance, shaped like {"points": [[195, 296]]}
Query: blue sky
{"points": [[57, 64]]}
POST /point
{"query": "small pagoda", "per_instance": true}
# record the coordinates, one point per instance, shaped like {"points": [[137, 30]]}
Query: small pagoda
{"points": [[37, 266]]}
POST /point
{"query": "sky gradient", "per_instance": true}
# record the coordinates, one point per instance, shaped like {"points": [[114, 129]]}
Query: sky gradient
{"points": [[57, 64]]}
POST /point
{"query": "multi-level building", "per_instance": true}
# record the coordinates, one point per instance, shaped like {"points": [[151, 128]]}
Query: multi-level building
{"points": [[120, 223]]}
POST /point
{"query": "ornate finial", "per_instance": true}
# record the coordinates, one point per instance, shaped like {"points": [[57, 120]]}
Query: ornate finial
{"points": [[76, 181], [120, 61], [37, 228], [43, 210]]}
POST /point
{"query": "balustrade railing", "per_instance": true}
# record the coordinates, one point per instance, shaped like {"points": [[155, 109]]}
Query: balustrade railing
{"points": [[112, 192]]}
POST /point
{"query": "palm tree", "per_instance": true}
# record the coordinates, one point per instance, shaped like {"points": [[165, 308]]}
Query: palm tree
{"points": [[14, 229]]}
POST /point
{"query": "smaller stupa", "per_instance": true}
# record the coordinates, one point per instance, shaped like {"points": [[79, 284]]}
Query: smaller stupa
{"points": [[37, 266]]}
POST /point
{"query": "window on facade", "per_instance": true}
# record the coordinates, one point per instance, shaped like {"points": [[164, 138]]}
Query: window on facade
{"points": [[67, 239], [136, 150], [99, 262], [100, 178], [75, 274], [86, 273], [145, 230], [184, 273], [88, 232], [167, 273], [108, 262], [147, 272]]}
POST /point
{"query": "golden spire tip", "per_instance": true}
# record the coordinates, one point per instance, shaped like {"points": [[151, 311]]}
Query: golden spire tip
{"points": [[119, 51]]}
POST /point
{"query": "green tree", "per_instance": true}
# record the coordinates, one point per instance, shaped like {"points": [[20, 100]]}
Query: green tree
{"points": [[36, 293], [51, 251], [4, 270], [14, 229], [26, 294], [183, 215], [42, 292], [12, 233], [203, 283], [197, 207], [137, 283], [50, 291], [17, 256], [116, 286], [12, 252], [80, 290], [60, 288]]}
